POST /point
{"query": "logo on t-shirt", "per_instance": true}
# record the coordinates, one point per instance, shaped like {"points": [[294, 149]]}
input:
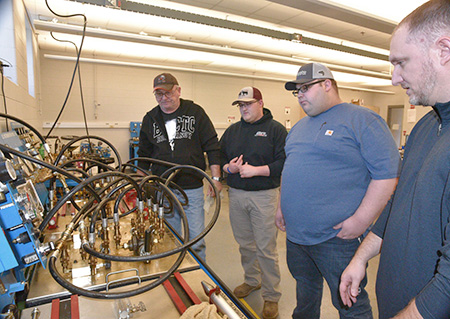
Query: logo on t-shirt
{"points": [[261, 134], [329, 132]]}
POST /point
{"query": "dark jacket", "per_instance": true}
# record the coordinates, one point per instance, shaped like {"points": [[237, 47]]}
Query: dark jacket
{"points": [[195, 134], [415, 225], [261, 143]]}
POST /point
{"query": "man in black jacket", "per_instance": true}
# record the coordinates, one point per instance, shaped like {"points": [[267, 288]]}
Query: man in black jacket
{"points": [[252, 153], [179, 131]]}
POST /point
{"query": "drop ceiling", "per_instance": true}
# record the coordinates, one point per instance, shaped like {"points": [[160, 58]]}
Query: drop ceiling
{"points": [[257, 38]]}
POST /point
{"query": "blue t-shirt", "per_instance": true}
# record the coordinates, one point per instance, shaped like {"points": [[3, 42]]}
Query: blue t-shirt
{"points": [[331, 159]]}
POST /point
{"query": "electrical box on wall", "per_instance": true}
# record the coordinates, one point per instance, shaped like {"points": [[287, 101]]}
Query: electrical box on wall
{"points": [[288, 124]]}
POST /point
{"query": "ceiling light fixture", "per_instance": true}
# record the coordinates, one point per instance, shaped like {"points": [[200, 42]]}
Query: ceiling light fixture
{"points": [[170, 42], [194, 70]]}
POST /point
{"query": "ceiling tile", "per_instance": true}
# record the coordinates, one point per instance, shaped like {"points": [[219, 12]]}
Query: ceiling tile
{"points": [[243, 8]]}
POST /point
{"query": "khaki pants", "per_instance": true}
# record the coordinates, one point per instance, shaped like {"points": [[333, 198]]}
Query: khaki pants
{"points": [[252, 217]]}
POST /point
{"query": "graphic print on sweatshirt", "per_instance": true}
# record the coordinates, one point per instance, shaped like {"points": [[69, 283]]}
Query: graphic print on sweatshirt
{"points": [[261, 134], [183, 127]]}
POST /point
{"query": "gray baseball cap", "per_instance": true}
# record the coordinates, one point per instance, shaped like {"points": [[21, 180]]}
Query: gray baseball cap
{"points": [[309, 72]]}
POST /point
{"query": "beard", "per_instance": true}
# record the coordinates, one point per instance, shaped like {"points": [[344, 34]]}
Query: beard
{"points": [[426, 87]]}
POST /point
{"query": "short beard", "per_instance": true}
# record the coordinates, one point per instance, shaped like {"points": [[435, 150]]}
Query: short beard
{"points": [[427, 86]]}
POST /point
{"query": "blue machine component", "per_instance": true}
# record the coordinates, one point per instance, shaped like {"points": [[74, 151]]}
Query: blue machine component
{"points": [[12, 140], [135, 131], [97, 150], [20, 247]]}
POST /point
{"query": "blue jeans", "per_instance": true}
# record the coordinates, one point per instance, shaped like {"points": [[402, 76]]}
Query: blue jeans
{"points": [[310, 264], [195, 215]]}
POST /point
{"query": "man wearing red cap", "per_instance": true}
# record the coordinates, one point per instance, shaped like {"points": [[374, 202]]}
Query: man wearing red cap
{"points": [[179, 131], [252, 153]]}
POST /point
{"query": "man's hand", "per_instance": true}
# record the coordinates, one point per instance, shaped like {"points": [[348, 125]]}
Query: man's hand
{"points": [[211, 189], [350, 281], [248, 171], [350, 228], [279, 220], [235, 164]]}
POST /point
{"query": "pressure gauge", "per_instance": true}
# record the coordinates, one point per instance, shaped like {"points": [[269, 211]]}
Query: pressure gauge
{"points": [[7, 172]]}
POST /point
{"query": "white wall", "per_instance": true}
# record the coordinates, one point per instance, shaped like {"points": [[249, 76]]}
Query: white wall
{"points": [[19, 103], [119, 94]]}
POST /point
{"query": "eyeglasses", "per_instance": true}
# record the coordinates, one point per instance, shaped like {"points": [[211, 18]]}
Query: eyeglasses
{"points": [[305, 88], [159, 95], [245, 104]]}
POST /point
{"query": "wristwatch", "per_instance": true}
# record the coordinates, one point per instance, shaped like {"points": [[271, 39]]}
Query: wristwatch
{"points": [[216, 178]]}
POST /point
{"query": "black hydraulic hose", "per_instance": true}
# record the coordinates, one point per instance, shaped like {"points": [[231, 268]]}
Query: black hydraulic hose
{"points": [[162, 163], [35, 131], [215, 215], [81, 185], [83, 212], [88, 160], [103, 202], [74, 289], [183, 216], [152, 160], [58, 206], [110, 295], [50, 215], [61, 153], [15, 119], [72, 169], [173, 251], [101, 191], [128, 212], [158, 181], [77, 170], [122, 175], [165, 200], [7, 149], [171, 185], [53, 184], [125, 165], [95, 212], [88, 205], [119, 200]]}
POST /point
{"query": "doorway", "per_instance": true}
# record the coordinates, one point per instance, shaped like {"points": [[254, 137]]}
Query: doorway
{"points": [[395, 122]]}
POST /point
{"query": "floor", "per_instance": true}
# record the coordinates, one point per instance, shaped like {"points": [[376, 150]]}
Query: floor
{"points": [[224, 259]]}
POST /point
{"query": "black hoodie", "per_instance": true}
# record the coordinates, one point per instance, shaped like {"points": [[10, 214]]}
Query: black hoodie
{"points": [[261, 143], [195, 134]]}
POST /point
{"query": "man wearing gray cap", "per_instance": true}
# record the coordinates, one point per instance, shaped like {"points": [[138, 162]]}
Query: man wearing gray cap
{"points": [[179, 131], [341, 168], [252, 154]]}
